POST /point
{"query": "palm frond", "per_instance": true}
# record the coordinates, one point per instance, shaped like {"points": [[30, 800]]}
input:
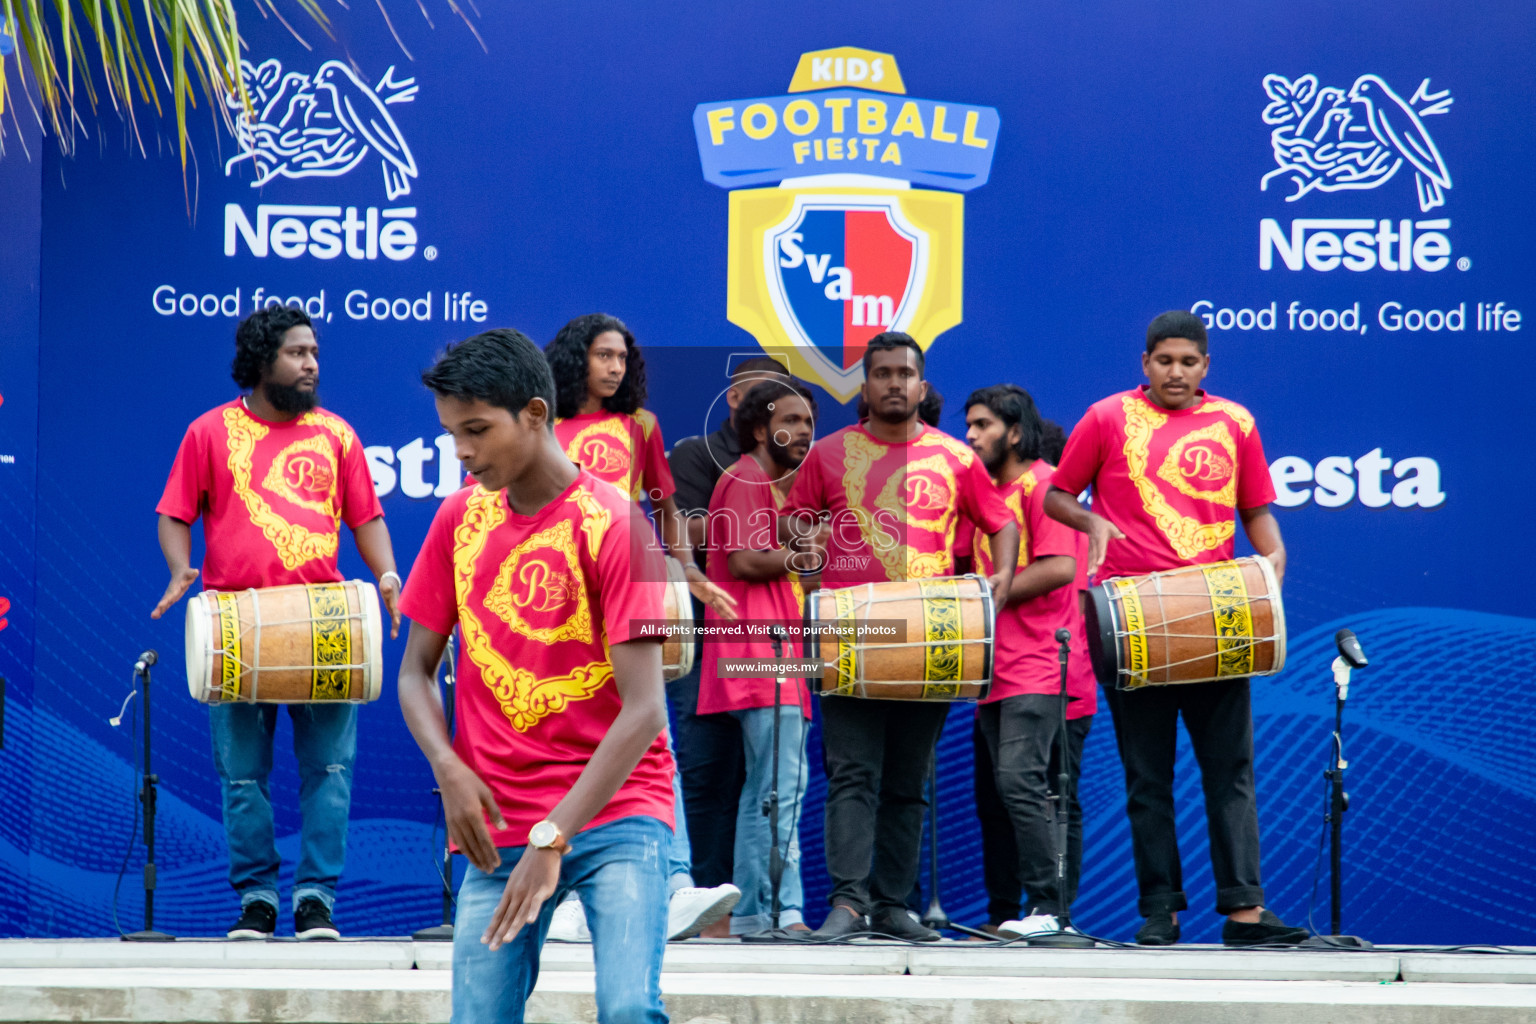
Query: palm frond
{"points": [[76, 54]]}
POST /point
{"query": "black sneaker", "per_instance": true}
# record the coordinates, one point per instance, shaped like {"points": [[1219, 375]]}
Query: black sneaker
{"points": [[896, 923], [1269, 931], [258, 920], [313, 921], [1160, 930]]}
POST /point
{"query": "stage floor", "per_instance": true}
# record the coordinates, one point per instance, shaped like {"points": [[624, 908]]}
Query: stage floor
{"points": [[373, 981]]}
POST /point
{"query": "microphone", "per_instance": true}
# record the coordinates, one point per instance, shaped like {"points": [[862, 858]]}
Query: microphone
{"points": [[1349, 648], [149, 658], [1063, 635]]}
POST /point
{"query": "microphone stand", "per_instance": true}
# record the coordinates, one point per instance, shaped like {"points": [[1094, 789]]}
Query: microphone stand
{"points": [[771, 812], [444, 932], [147, 798], [1333, 815], [1065, 938], [934, 917]]}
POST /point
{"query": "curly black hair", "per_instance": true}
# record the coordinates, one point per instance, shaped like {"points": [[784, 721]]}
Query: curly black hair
{"points": [[258, 338], [1014, 406], [567, 356], [756, 409]]}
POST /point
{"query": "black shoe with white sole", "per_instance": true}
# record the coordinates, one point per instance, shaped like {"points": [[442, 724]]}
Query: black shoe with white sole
{"points": [[258, 920], [313, 921]]}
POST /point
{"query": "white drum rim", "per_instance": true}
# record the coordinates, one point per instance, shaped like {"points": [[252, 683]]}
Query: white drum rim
{"points": [[684, 599], [1277, 604], [373, 640], [199, 657]]}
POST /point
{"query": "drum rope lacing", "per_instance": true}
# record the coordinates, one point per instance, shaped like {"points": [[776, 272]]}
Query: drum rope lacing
{"points": [[860, 681], [1163, 634], [253, 669]]}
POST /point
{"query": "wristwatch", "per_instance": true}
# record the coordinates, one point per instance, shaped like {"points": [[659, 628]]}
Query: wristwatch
{"points": [[546, 836]]}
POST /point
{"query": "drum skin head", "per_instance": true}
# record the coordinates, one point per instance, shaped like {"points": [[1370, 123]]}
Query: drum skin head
{"points": [[199, 661], [1103, 646]]}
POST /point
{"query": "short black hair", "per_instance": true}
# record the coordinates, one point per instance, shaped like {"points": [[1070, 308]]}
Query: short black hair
{"points": [[756, 408], [888, 340], [1052, 442], [931, 407], [567, 355], [759, 365], [1015, 408], [1176, 323], [258, 338], [501, 367]]}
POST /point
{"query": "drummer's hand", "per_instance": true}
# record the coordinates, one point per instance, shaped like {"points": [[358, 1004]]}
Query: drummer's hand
{"points": [[532, 882], [389, 590], [999, 587], [173, 591], [1100, 532], [466, 802], [723, 604]]}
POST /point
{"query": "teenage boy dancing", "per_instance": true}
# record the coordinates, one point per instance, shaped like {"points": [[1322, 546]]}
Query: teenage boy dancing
{"points": [[558, 777]]}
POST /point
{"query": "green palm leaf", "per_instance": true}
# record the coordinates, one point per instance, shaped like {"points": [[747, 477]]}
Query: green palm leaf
{"points": [[139, 52]]}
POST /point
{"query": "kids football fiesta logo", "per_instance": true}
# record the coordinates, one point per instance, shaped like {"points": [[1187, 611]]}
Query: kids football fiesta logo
{"points": [[844, 247]]}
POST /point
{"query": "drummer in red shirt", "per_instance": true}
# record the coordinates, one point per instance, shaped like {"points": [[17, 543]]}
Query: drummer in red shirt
{"points": [[1170, 466], [1020, 719], [895, 491], [774, 424], [558, 776], [273, 476]]}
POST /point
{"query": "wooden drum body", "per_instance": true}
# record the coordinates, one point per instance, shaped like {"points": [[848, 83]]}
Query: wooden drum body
{"points": [[315, 642], [947, 653], [1197, 624], [677, 605]]}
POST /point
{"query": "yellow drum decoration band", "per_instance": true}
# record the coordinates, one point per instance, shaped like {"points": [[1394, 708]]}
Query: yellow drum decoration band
{"points": [[330, 633], [1234, 618], [230, 669], [1135, 628], [942, 634]]}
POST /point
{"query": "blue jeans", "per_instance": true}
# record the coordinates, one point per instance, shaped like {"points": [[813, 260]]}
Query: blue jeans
{"points": [[619, 871], [754, 912], [679, 852], [325, 742]]}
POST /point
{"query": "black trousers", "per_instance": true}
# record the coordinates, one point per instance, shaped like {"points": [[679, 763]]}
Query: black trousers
{"points": [[1219, 721], [877, 754], [1021, 738], [711, 759]]}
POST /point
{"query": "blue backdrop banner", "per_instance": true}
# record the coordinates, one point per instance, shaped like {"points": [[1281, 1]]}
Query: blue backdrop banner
{"points": [[1341, 192]]}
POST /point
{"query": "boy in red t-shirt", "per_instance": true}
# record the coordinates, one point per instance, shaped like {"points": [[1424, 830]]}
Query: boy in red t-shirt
{"points": [[775, 423], [560, 714], [273, 476], [1170, 465], [1020, 721], [895, 492]]}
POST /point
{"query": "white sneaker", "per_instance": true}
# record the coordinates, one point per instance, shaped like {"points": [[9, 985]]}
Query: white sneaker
{"points": [[569, 923], [692, 909], [1034, 924]]}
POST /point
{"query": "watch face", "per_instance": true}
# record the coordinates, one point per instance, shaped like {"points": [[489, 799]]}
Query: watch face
{"points": [[542, 834]]}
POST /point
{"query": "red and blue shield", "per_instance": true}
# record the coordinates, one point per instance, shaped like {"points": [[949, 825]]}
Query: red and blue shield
{"points": [[841, 269]]}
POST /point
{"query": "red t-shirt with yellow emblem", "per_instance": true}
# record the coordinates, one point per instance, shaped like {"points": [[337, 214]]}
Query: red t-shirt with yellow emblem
{"points": [[1170, 479], [538, 599], [743, 516], [1026, 658], [272, 496], [894, 507], [625, 449]]}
